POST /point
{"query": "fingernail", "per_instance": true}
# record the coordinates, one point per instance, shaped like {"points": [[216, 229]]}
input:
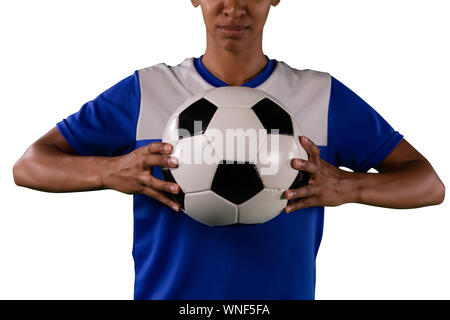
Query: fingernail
{"points": [[173, 189], [174, 207], [167, 148], [289, 194], [299, 163], [305, 139], [173, 161], [288, 209]]}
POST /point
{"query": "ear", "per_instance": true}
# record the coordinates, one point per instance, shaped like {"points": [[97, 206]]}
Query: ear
{"points": [[195, 3]]}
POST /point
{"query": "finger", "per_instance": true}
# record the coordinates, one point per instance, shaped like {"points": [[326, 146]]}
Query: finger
{"points": [[302, 192], [159, 147], [152, 160], [161, 197], [162, 185], [304, 165], [301, 204], [311, 148]]}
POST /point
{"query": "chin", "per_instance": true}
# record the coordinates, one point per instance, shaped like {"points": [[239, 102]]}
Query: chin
{"points": [[233, 41], [233, 47]]}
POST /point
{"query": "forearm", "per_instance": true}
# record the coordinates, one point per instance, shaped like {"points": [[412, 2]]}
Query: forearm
{"points": [[44, 167], [413, 185]]}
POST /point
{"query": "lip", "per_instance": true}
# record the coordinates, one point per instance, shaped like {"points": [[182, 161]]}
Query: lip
{"points": [[233, 30]]}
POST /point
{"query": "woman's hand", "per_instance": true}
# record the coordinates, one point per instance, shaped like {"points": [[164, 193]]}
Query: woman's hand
{"points": [[326, 185], [132, 173]]}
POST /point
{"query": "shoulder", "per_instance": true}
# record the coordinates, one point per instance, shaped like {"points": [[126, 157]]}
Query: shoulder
{"points": [[309, 87], [308, 81], [162, 73], [150, 72], [159, 66], [164, 67], [303, 74]]}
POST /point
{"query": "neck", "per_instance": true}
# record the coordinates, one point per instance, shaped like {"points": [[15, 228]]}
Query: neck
{"points": [[234, 68]]}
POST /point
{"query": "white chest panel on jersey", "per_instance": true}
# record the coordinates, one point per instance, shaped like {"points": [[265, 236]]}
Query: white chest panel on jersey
{"points": [[305, 93]]}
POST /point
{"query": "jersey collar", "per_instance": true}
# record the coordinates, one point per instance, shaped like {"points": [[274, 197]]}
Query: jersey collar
{"points": [[216, 82]]}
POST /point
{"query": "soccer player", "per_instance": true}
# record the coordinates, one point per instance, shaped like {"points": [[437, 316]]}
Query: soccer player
{"points": [[113, 142]]}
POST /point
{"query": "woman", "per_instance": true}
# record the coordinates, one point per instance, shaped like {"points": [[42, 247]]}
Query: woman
{"points": [[113, 142]]}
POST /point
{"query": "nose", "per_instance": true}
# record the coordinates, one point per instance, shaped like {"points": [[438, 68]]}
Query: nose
{"points": [[234, 8]]}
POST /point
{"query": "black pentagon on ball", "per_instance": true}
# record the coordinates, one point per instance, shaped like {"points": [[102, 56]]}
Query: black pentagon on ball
{"points": [[237, 182], [179, 197], [202, 110], [272, 116]]}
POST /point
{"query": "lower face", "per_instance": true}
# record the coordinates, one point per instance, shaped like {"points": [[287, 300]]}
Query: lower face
{"points": [[232, 39], [236, 39]]}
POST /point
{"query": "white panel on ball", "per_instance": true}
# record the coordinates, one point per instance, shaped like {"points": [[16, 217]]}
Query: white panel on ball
{"points": [[170, 134], [239, 125], [264, 206], [297, 134], [274, 161], [235, 96], [197, 163], [210, 209]]}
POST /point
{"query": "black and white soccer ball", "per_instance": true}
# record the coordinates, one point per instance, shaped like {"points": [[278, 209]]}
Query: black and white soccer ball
{"points": [[234, 146]]}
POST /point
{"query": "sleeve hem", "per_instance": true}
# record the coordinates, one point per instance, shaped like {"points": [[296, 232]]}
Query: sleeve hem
{"points": [[383, 151], [69, 137]]}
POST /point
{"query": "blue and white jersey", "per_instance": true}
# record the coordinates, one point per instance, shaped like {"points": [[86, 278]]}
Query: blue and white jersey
{"points": [[177, 257]]}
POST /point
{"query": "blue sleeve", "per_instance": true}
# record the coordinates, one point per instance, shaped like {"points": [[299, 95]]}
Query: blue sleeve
{"points": [[105, 126], [358, 137]]}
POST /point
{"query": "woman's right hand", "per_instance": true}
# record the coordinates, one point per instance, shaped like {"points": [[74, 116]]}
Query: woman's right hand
{"points": [[133, 173]]}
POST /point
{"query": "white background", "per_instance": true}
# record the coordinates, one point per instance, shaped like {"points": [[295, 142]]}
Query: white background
{"points": [[57, 55]]}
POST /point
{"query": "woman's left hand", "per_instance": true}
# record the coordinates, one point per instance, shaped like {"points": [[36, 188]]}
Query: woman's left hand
{"points": [[327, 185]]}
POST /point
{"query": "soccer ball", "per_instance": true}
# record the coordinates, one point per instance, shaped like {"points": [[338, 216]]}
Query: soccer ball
{"points": [[234, 147]]}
